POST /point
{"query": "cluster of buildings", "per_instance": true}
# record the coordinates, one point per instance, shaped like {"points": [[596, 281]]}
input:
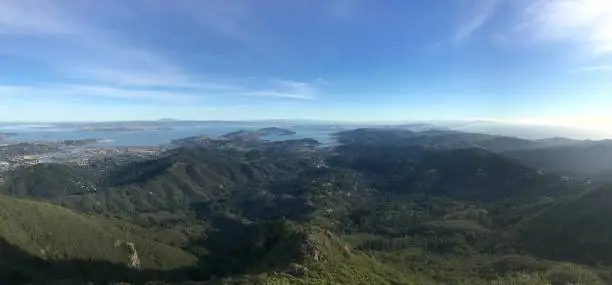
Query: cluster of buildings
{"points": [[81, 157], [8, 163]]}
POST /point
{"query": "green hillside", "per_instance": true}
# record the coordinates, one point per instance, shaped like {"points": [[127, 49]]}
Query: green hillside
{"points": [[576, 229], [50, 181], [293, 212], [461, 173], [55, 233]]}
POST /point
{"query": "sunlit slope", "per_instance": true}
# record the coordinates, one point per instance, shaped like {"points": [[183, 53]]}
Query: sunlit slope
{"points": [[52, 232]]}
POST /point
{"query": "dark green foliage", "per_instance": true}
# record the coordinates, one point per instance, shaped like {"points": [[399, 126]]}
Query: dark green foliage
{"points": [[510, 264], [385, 207], [463, 173], [238, 248], [50, 181], [576, 229]]}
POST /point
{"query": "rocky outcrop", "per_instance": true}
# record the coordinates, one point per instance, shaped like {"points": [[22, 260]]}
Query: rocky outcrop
{"points": [[133, 260], [296, 270], [310, 249]]}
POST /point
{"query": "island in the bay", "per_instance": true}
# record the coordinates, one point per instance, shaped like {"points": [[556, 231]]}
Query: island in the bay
{"points": [[258, 134]]}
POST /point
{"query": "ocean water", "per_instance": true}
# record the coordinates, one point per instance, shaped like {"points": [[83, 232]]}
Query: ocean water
{"points": [[153, 137]]}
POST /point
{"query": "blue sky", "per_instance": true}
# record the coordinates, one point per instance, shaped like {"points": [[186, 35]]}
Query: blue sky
{"points": [[534, 61]]}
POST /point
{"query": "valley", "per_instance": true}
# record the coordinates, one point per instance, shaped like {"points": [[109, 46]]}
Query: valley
{"points": [[379, 206]]}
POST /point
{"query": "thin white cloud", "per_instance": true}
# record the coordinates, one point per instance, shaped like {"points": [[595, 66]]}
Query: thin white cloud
{"points": [[108, 63], [296, 86], [594, 68], [290, 89], [102, 91], [88, 92], [138, 78], [145, 79], [96, 53], [277, 94], [479, 12], [583, 22], [30, 17]]}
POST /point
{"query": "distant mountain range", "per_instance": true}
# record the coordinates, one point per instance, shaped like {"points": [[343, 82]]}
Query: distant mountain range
{"points": [[473, 126]]}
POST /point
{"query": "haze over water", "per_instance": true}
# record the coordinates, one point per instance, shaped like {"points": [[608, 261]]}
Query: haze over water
{"points": [[31, 133]]}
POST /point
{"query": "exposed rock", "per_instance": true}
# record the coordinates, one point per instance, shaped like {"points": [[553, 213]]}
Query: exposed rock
{"points": [[347, 248], [296, 270], [311, 250], [133, 260]]}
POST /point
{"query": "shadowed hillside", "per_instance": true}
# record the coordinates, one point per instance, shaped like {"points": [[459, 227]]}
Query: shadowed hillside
{"points": [[575, 229], [587, 159], [462, 173]]}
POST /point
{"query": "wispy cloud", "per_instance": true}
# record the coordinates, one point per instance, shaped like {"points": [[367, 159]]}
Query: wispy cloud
{"points": [[90, 58], [28, 17], [297, 86], [593, 68], [139, 78], [477, 13], [277, 94], [584, 22], [289, 89], [87, 92], [96, 52]]}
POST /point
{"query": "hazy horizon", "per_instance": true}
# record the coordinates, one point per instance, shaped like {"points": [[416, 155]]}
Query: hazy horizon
{"points": [[520, 130]]}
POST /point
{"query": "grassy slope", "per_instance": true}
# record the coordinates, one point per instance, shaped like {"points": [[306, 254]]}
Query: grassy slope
{"points": [[53, 232], [337, 264], [576, 229]]}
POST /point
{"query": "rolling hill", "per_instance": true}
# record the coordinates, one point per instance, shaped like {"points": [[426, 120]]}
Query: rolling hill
{"points": [[588, 159], [442, 139], [383, 207], [52, 232], [574, 229], [49, 181], [461, 173]]}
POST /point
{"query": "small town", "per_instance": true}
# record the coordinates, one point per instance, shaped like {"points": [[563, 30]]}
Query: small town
{"points": [[17, 155]]}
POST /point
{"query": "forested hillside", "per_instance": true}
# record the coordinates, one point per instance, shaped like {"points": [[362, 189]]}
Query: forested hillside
{"points": [[381, 207], [589, 159]]}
